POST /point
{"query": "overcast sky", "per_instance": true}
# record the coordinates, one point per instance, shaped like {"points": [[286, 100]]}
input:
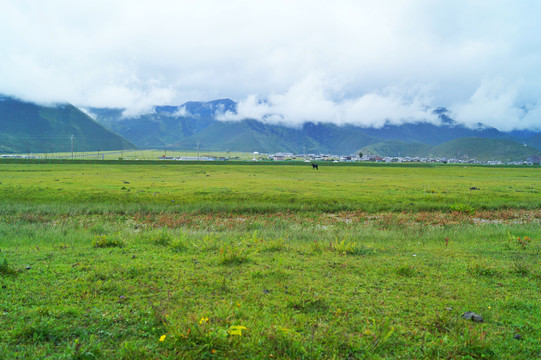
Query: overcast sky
{"points": [[345, 61]]}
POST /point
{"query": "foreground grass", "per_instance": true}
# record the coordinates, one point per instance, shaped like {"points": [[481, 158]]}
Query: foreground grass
{"points": [[289, 286], [200, 261]]}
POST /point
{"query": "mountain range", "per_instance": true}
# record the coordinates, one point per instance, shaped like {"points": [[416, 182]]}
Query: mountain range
{"points": [[195, 125], [27, 127]]}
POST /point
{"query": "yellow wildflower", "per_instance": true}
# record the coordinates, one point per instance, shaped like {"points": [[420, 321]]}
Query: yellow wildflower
{"points": [[162, 338], [236, 330], [204, 320]]}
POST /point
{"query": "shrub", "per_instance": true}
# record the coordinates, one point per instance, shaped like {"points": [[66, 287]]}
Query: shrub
{"points": [[462, 208], [234, 255], [316, 247], [102, 241], [517, 242], [309, 305], [162, 239], [178, 245], [483, 269], [406, 271], [343, 247], [5, 269], [521, 265], [275, 245]]}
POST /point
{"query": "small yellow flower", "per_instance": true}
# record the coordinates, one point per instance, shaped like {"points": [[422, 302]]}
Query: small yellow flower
{"points": [[204, 320], [236, 330], [162, 338]]}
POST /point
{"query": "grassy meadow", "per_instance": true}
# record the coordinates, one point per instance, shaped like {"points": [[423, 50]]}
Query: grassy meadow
{"points": [[209, 261]]}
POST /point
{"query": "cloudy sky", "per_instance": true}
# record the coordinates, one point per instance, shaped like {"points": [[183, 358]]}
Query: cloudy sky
{"points": [[343, 61]]}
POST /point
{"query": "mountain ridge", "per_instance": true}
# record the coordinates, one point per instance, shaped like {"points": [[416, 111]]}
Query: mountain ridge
{"points": [[195, 125]]}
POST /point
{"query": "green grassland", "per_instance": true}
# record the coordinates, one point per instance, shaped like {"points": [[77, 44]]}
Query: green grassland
{"points": [[209, 261], [260, 188]]}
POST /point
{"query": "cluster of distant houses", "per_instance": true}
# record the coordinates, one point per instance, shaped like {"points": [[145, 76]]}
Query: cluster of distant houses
{"points": [[19, 157], [534, 159], [194, 158]]}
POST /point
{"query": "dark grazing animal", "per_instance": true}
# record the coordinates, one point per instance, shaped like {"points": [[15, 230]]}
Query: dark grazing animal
{"points": [[314, 166]]}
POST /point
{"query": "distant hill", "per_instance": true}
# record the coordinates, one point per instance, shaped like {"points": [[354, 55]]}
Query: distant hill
{"points": [[432, 134], [27, 127], [534, 141], [397, 148], [484, 149], [166, 125], [250, 134], [464, 148], [194, 124]]}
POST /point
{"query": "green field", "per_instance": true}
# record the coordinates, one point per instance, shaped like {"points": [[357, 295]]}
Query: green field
{"points": [[133, 260], [180, 187]]}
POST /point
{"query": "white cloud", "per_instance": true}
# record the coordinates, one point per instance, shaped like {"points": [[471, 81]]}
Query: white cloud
{"points": [[182, 111], [368, 57], [309, 100], [498, 103]]}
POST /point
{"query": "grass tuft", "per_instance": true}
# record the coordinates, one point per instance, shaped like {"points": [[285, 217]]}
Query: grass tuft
{"points": [[462, 208], [5, 268], [102, 241]]}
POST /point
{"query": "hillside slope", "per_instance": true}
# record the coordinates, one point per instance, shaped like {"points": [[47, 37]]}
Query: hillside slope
{"points": [[27, 127], [396, 148], [464, 148], [534, 141], [484, 149]]}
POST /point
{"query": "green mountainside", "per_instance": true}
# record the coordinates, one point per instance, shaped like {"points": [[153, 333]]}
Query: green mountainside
{"points": [[485, 149], [534, 141], [27, 127], [464, 148], [397, 148], [242, 135], [251, 134]]}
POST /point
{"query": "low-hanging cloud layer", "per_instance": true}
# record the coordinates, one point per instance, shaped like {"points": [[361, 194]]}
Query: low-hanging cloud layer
{"points": [[345, 61]]}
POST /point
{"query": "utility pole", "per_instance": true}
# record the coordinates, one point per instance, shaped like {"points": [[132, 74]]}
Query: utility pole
{"points": [[71, 147]]}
